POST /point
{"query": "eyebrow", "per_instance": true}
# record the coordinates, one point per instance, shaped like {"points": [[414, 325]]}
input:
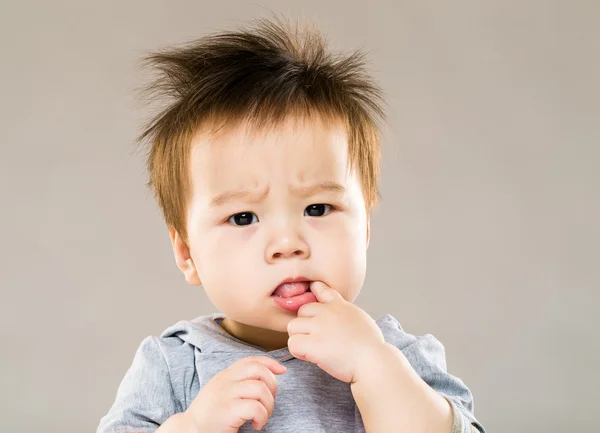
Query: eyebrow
{"points": [[305, 191]]}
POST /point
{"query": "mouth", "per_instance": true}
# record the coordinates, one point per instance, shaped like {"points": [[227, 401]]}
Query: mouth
{"points": [[291, 294], [291, 287]]}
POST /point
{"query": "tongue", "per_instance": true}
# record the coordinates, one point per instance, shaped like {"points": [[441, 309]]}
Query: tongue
{"points": [[289, 290]]}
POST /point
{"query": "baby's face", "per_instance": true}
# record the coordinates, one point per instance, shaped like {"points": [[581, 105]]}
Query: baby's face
{"points": [[264, 208]]}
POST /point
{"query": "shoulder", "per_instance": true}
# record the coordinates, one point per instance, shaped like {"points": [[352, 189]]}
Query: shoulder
{"points": [[427, 356], [159, 382], [172, 344], [422, 351], [145, 397], [165, 351], [417, 348]]}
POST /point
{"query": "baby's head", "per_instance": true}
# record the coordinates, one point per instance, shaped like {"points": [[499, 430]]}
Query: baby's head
{"points": [[265, 165]]}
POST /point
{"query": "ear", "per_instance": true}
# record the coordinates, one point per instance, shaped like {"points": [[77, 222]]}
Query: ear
{"points": [[183, 258]]}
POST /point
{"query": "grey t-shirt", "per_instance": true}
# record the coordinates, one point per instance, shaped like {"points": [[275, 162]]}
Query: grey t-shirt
{"points": [[168, 372]]}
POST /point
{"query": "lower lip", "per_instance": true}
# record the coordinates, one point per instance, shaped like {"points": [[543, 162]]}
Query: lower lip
{"points": [[295, 302]]}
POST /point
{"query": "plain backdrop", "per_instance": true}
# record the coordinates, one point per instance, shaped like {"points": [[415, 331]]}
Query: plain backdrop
{"points": [[487, 236]]}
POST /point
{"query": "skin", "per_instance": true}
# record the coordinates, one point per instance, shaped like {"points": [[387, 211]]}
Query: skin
{"points": [[241, 265]]}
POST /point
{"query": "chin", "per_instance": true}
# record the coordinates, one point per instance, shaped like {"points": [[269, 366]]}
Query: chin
{"points": [[279, 322], [272, 322]]}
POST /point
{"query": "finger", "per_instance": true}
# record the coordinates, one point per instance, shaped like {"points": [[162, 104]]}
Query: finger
{"points": [[268, 362], [241, 371], [323, 293], [299, 345], [248, 409], [256, 390], [271, 364], [310, 310], [301, 325]]}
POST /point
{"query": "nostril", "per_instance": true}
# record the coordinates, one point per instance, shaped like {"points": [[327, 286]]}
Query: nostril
{"points": [[297, 253]]}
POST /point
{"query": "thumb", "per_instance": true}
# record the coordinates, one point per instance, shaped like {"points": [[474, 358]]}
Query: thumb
{"points": [[323, 292]]}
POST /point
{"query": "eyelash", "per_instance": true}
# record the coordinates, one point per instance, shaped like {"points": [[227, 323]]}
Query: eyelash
{"points": [[229, 220]]}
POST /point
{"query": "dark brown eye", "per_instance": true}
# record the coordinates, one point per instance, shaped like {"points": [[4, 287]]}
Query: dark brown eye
{"points": [[317, 210], [243, 218]]}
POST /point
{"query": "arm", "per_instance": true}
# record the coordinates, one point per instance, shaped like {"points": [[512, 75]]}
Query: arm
{"points": [[386, 385], [178, 423], [145, 398], [426, 358]]}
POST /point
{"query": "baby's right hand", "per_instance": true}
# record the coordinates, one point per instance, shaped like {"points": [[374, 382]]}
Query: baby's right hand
{"points": [[244, 391]]}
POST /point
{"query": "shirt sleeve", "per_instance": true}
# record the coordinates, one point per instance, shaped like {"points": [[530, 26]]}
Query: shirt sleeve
{"points": [[145, 397], [459, 423], [427, 357]]}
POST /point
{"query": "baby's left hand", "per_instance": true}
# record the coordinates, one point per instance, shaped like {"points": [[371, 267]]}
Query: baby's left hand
{"points": [[333, 333]]}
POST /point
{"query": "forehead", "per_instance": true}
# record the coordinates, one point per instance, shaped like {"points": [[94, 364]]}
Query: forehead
{"points": [[296, 152]]}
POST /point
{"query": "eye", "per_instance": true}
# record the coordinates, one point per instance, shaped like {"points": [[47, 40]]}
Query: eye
{"points": [[318, 210], [243, 219]]}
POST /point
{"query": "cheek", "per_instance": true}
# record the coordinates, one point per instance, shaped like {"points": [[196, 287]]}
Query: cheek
{"points": [[227, 261], [340, 255]]}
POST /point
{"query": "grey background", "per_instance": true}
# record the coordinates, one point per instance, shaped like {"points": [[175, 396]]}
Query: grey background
{"points": [[487, 235]]}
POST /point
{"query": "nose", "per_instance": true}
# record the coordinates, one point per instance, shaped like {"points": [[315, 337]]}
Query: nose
{"points": [[286, 244]]}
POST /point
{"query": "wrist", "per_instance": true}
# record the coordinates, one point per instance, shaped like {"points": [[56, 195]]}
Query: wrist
{"points": [[178, 423], [373, 362], [186, 423]]}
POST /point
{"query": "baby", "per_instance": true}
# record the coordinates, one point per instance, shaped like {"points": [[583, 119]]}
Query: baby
{"points": [[265, 165]]}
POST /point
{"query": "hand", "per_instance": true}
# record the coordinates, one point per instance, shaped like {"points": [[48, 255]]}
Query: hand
{"points": [[334, 334], [244, 391]]}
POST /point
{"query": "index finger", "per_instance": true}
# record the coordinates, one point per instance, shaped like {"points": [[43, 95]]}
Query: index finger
{"points": [[258, 367], [269, 362]]}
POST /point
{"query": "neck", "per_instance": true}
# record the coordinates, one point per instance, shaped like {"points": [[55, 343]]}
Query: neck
{"points": [[266, 339]]}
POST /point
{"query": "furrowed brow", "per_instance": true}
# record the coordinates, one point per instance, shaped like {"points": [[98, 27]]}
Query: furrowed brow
{"points": [[228, 196], [307, 191]]}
